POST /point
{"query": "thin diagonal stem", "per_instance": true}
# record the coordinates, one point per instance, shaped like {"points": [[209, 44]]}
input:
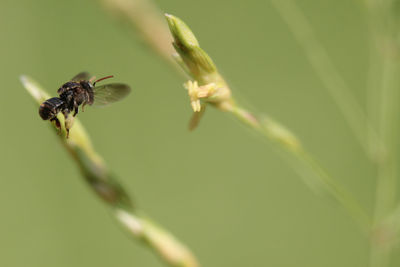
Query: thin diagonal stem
{"points": [[383, 29], [387, 180], [304, 164], [329, 75], [373, 93]]}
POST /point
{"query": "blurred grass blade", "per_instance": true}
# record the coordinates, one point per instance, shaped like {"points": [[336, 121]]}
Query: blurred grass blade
{"points": [[147, 19], [334, 82]]}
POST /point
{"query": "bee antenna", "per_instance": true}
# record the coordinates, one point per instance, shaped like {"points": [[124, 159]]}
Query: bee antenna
{"points": [[99, 80]]}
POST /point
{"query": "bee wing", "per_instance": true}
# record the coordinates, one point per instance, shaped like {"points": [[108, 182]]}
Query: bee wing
{"points": [[81, 76], [110, 93]]}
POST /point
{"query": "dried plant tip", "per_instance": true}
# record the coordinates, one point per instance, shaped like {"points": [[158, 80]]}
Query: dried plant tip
{"points": [[167, 246], [34, 89]]}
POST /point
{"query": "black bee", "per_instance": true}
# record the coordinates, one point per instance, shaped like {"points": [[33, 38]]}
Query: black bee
{"points": [[81, 90]]}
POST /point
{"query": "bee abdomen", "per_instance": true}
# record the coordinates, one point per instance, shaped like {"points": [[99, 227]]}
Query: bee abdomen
{"points": [[50, 108]]}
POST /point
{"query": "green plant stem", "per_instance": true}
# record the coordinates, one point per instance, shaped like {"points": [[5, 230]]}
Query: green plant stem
{"points": [[383, 28], [104, 184], [373, 85], [329, 75], [387, 168], [304, 164]]}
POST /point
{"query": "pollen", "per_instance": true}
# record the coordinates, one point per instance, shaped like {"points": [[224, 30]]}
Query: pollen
{"points": [[197, 92]]}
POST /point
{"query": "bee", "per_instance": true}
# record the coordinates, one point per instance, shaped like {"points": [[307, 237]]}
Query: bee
{"points": [[81, 90]]}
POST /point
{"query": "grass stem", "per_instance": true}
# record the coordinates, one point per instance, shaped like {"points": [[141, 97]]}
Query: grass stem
{"points": [[304, 164], [172, 252]]}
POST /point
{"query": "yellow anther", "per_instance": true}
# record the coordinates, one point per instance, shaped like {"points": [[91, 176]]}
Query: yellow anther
{"points": [[197, 92]]}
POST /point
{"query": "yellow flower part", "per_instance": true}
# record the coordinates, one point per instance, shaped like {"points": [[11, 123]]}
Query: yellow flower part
{"points": [[197, 92]]}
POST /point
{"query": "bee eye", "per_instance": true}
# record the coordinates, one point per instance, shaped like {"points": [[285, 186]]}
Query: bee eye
{"points": [[87, 85]]}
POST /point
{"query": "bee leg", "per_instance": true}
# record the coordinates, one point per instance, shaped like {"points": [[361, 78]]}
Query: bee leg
{"points": [[58, 124], [83, 106], [76, 110], [67, 127], [65, 122]]}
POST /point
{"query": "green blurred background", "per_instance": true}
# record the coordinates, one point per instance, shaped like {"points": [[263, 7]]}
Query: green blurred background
{"points": [[227, 195]]}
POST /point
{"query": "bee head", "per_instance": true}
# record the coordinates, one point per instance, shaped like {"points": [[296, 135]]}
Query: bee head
{"points": [[87, 85]]}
